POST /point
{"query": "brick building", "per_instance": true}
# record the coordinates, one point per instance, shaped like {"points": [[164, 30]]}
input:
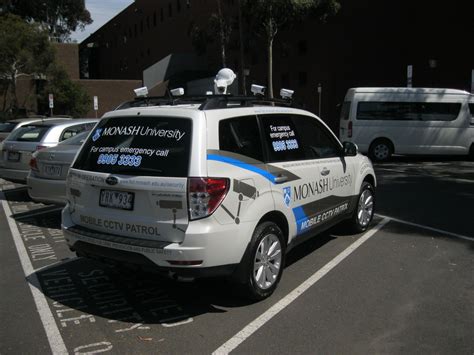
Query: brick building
{"points": [[368, 43]]}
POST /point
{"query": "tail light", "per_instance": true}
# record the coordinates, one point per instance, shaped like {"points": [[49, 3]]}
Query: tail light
{"points": [[205, 195], [349, 130], [34, 164]]}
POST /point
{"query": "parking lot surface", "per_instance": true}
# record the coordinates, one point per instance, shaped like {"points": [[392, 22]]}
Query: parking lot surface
{"points": [[405, 286]]}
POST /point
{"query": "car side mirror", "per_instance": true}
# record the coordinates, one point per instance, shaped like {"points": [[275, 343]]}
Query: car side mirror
{"points": [[350, 149]]}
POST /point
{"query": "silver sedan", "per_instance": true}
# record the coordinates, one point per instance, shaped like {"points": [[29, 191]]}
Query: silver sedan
{"points": [[47, 178]]}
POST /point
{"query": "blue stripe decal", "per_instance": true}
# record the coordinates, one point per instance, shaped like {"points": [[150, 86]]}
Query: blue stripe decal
{"points": [[242, 165], [300, 218]]}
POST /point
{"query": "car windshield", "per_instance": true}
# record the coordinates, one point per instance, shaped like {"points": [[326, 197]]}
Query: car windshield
{"points": [[6, 127], [31, 133], [78, 139]]}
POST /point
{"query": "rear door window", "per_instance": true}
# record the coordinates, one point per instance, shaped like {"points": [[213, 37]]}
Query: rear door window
{"points": [[150, 146], [240, 135]]}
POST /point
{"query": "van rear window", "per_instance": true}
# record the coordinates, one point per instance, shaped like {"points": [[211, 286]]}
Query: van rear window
{"points": [[408, 111], [150, 146], [345, 110]]}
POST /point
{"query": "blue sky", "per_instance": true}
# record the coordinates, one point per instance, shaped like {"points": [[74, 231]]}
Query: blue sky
{"points": [[101, 12]]}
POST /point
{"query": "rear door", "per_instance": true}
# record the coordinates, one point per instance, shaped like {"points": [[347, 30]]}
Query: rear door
{"points": [[130, 178]]}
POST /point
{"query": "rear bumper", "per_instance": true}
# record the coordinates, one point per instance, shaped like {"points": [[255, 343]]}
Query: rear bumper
{"points": [[47, 191], [208, 249], [134, 260], [14, 175]]}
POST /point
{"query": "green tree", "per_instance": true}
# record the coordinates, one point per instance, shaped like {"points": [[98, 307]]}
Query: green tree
{"points": [[70, 98], [59, 17], [268, 17], [24, 50]]}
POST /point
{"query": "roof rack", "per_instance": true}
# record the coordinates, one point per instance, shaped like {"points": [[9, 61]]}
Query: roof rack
{"points": [[207, 102]]}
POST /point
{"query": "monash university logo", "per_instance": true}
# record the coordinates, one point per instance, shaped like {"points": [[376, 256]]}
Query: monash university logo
{"points": [[287, 195], [97, 134]]}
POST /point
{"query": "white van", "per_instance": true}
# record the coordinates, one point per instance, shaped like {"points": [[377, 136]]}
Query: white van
{"points": [[384, 121]]}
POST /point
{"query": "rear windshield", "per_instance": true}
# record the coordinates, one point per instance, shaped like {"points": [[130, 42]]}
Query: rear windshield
{"points": [[30, 133], [6, 127], [152, 146], [471, 109]]}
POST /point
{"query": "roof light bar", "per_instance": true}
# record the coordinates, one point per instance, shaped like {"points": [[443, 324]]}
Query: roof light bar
{"points": [[286, 94], [258, 89]]}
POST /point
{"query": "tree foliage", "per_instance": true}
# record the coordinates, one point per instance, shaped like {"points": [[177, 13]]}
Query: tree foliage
{"points": [[59, 17], [24, 50], [70, 98], [268, 17]]}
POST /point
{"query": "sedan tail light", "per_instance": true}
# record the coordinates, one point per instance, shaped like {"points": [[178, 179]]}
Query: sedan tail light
{"points": [[34, 164], [205, 195]]}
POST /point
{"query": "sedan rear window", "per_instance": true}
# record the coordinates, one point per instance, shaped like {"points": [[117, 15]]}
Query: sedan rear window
{"points": [[151, 146], [29, 133]]}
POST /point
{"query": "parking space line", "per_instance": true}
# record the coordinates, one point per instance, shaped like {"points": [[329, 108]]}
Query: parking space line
{"points": [[55, 340], [455, 235], [408, 172], [256, 324]]}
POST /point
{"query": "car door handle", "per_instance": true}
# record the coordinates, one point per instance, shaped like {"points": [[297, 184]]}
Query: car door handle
{"points": [[280, 179], [325, 172]]}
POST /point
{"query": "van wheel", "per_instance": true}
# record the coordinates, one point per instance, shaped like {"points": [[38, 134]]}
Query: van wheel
{"points": [[263, 265], [364, 211], [381, 150]]}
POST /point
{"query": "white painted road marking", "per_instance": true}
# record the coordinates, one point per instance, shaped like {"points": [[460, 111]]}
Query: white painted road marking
{"points": [[455, 235], [255, 325], [55, 340]]}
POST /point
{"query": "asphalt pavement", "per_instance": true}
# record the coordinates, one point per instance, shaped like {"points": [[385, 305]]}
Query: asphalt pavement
{"points": [[406, 286]]}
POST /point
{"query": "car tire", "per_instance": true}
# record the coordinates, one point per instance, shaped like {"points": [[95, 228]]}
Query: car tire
{"points": [[364, 209], [381, 150], [262, 266]]}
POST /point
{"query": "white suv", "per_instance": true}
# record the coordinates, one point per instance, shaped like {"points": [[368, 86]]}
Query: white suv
{"points": [[221, 187]]}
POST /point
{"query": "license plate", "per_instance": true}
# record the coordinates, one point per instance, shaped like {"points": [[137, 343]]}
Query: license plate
{"points": [[52, 170], [13, 156], [116, 199]]}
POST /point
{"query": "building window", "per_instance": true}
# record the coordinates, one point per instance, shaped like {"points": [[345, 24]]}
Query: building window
{"points": [[141, 26], [148, 22], [178, 6], [154, 19], [135, 30], [302, 47], [170, 10], [162, 15], [188, 3], [302, 78]]}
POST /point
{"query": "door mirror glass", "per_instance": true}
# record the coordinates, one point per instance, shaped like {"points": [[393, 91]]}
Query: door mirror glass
{"points": [[350, 149]]}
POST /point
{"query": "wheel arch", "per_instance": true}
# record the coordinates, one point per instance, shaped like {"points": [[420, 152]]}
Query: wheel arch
{"points": [[383, 138], [279, 219]]}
